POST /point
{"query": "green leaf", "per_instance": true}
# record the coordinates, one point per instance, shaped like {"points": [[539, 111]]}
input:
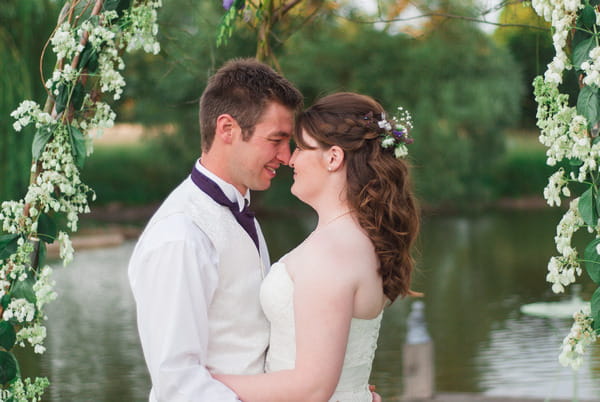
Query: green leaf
{"points": [[123, 5], [78, 95], [47, 230], [41, 138], [225, 28], [595, 304], [592, 261], [24, 290], [62, 98], [587, 104], [78, 147], [587, 17], [8, 335], [88, 59], [42, 255], [581, 52], [8, 367], [118, 5], [575, 162], [8, 245], [597, 200], [110, 5], [587, 208], [5, 301]]}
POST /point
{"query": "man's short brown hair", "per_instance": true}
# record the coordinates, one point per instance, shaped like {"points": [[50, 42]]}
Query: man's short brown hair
{"points": [[242, 88]]}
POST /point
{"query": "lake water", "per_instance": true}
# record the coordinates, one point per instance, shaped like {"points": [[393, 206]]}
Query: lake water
{"points": [[476, 273]]}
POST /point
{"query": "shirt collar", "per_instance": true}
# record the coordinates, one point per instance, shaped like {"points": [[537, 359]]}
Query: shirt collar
{"points": [[230, 191]]}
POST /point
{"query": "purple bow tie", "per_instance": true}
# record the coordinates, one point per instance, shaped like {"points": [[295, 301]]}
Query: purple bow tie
{"points": [[245, 217]]}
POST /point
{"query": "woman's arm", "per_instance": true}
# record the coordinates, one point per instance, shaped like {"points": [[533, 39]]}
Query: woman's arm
{"points": [[323, 308]]}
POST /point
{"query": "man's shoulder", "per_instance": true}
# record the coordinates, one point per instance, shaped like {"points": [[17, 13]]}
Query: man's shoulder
{"points": [[173, 221]]}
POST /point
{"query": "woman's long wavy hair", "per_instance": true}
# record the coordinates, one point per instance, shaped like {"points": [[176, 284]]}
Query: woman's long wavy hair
{"points": [[378, 184]]}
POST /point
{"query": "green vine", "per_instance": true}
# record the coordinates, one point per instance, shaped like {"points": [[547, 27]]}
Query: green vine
{"points": [[88, 42], [571, 134]]}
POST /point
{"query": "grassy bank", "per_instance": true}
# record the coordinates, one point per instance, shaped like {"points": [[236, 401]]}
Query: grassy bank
{"points": [[137, 174], [523, 171]]}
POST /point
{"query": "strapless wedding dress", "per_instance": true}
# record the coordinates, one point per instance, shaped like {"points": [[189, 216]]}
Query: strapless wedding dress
{"points": [[276, 296]]}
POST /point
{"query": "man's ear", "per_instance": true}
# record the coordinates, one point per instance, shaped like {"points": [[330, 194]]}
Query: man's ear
{"points": [[226, 127], [335, 158]]}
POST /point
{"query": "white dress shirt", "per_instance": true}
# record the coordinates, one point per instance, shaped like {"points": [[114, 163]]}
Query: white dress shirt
{"points": [[175, 277]]}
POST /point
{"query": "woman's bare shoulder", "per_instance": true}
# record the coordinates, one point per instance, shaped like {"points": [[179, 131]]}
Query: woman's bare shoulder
{"points": [[340, 249]]}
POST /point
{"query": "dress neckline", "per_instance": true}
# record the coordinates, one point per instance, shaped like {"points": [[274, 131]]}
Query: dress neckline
{"points": [[287, 274]]}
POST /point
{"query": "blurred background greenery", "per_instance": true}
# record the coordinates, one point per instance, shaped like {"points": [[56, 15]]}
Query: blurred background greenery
{"points": [[468, 89]]}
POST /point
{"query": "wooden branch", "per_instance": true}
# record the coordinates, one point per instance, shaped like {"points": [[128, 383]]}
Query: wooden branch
{"points": [[284, 9], [51, 103], [84, 38], [448, 16]]}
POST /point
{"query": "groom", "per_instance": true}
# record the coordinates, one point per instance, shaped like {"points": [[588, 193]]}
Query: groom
{"points": [[196, 270]]}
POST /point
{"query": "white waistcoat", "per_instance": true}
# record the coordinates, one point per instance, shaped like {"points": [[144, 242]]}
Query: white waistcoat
{"points": [[239, 331]]}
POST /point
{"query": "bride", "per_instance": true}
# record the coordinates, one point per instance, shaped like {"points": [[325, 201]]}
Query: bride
{"points": [[325, 298]]}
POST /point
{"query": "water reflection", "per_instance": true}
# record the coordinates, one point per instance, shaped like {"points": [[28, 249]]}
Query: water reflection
{"points": [[476, 272]]}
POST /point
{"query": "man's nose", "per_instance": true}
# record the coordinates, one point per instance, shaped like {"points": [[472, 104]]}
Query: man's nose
{"points": [[284, 154]]}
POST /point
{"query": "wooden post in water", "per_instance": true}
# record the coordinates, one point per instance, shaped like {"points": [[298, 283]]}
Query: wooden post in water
{"points": [[418, 369]]}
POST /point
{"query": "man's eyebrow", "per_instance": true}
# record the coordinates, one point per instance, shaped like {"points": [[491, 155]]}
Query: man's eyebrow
{"points": [[280, 134]]}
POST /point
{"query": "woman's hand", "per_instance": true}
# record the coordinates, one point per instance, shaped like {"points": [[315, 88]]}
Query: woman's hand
{"points": [[375, 395]]}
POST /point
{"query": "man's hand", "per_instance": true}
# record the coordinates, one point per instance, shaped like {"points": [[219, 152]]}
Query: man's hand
{"points": [[376, 396]]}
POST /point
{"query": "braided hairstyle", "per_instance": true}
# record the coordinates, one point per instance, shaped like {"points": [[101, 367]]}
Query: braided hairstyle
{"points": [[378, 184]]}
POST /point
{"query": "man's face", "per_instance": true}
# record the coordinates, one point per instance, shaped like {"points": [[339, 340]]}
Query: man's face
{"points": [[254, 162]]}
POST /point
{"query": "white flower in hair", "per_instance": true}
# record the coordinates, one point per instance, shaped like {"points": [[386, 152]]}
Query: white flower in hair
{"points": [[395, 132]]}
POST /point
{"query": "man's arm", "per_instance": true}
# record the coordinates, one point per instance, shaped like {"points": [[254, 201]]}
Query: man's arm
{"points": [[173, 281]]}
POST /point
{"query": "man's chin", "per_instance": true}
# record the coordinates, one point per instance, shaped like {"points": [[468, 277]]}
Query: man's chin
{"points": [[261, 186]]}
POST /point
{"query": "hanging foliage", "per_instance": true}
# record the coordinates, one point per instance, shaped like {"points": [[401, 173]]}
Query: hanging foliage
{"points": [[264, 17], [571, 134], [88, 42]]}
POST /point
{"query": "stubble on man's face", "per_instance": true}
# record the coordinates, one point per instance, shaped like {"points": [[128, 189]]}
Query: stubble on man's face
{"points": [[258, 158]]}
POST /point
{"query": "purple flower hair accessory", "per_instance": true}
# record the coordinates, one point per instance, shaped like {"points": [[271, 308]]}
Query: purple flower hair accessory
{"points": [[395, 132]]}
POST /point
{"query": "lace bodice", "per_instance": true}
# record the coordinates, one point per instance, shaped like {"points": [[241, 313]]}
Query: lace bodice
{"points": [[276, 296]]}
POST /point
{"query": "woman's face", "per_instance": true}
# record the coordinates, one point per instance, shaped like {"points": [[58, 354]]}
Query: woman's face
{"points": [[310, 170]]}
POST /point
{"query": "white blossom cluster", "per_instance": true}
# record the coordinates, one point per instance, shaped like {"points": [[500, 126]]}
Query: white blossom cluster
{"points": [[56, 186], [581, 335], [562, 269], [67, 76], [44, 288], [59, 175], [565, 134], [557, 186], [63, 43], [35, 335], [106, 40], [20, 309], [66, 248], [592, 68], [23, 390], [30, 112], [145, 27], [562, 15], [15, 267]]}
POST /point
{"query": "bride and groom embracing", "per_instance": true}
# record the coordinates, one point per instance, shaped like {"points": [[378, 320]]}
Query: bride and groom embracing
{"points": [[215, 322]]}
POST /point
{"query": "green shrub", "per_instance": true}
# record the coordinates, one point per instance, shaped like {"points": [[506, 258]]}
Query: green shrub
{"points": [[131, 174]]}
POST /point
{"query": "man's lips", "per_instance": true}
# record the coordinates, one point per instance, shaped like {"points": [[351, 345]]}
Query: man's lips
{"points": [[272, 170]]}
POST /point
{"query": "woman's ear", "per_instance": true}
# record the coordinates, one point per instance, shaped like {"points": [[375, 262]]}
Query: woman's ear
{"points": [[335, 158], [225, 128]]}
